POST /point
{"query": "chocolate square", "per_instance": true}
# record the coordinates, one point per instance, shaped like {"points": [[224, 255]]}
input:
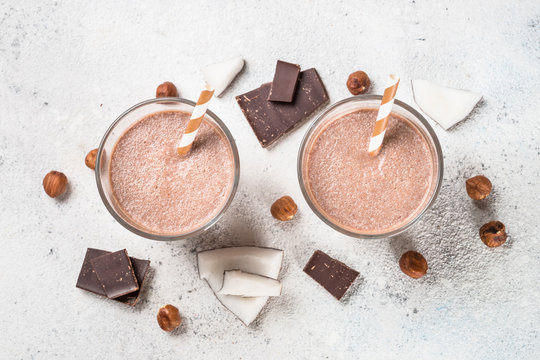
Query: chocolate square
{"points": [[115, 273], [285, 80], [87, 277], [140, 268], [333, 275], [271, 120], [88, 280]]}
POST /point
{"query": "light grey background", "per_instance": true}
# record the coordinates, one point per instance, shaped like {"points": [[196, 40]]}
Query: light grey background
{"points": [[69, 68]]}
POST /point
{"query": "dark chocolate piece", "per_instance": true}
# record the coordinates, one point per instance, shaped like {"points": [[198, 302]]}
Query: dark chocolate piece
{"points": [[87, 277], [270, 120], [140, 268], [115, 273], [285, 80], [88, 280], [333, 275]]}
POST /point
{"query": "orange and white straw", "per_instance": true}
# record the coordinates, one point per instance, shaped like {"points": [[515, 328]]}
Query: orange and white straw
{"points": [[376, 140], [195, 121]]}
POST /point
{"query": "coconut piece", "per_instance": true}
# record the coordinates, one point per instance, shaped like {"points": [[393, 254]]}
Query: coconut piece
{"points": [[257, 260], [220, 75], [241, 283], [446, 106]]}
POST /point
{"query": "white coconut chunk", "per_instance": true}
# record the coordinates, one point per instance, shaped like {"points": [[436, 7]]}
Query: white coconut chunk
{"points": [[446, 106], [257, 260], [241, 283], [220, 75]]}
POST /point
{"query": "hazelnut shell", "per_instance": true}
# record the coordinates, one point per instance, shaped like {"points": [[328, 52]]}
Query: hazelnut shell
{"points": [[478, 187], [284, 208], [358, 83], [413, 264], [167, 89], [168, 317], [55, 183], [90, 159], [493, 234]]}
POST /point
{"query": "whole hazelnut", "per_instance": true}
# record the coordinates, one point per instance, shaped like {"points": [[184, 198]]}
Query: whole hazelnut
{"points": [[493, 234], [413, 264], [284, 208], [90, 159], [167, 89], [478, 187], [358, 83], [55, 183], [168, 317]]}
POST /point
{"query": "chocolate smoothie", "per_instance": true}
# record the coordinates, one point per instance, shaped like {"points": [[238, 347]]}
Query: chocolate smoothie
{"points": [[365, 194], [161, 191]]}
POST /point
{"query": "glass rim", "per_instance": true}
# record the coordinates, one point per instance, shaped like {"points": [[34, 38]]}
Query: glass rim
{"points": [[162, 237], [428, 132]]}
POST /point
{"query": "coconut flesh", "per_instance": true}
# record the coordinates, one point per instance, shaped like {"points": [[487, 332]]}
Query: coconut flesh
{"points": [[220, 75], [241, 283], [256, 260], [445, 105]]}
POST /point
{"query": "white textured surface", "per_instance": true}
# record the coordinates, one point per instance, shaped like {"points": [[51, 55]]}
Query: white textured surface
{"points": [[60, 60]]}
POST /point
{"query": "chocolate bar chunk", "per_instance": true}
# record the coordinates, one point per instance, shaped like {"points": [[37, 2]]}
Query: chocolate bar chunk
{"points": [[333, 275], [88, 280], [115, 273], [270, 120], [140, 268], [87, 277], [285, 81]]}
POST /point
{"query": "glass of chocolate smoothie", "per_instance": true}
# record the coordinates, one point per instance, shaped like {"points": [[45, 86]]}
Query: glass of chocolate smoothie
{"points": [[149, 188], [364, 196]]}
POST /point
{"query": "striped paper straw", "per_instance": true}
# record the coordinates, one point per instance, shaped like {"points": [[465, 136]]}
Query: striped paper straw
{"points": [[195, 121], [376, 140]]}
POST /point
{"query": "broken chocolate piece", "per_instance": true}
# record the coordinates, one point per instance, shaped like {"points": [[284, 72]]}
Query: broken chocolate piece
{"points": [[140, 268], [285, 80], [115, 273], [270, 120], [88, 280], [87, 277], [333, 275]]}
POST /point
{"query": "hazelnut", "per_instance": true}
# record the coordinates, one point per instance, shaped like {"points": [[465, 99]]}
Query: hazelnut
{"points": [[284, 208], [413, 264], [478, 187], [90, 159], [358, 83], [168, 317], [167, 89], [493, 234], [55, 183]]}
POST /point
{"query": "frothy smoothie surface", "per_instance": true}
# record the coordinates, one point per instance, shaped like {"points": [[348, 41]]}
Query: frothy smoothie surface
{"points": [[160, 190], [364, 193]]}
